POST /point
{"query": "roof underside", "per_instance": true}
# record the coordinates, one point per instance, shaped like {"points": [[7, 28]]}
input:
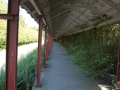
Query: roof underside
{"points": [[65, 17]]}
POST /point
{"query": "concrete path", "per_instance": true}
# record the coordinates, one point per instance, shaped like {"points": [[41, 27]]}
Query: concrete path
{"points": [[61, 74]]}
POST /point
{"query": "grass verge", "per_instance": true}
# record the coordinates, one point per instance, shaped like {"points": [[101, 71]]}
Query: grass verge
{"points": [[26, 71]]}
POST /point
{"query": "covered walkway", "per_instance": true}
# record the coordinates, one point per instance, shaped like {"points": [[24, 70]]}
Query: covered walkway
{"points": [[59, 19], [61, 74]]}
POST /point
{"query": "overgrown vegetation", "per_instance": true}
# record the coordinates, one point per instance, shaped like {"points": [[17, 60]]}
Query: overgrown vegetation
{"points": [[95, 50], [26, 72], [26, 34]]}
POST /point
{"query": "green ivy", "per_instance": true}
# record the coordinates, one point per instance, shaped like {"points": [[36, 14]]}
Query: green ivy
{"points": [[95, 50]]}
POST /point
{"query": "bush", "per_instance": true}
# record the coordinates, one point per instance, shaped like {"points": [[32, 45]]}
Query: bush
{"points": [[26, 35], [26, 72], [96, 50]]}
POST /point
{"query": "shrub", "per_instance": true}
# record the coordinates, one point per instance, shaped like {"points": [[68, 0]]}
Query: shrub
{"points": [[95, 51]]}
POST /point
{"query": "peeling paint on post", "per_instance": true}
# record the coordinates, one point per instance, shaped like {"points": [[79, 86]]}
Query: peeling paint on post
{"points": [[11, 46]]}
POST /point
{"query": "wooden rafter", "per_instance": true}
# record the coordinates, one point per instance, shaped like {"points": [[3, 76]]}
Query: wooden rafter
{"points": [[77, 6], [60, 6], [111, 4], [63, 12], [109, 22], [81, 14], [35, 5], [23, 1], [63, 16], [94, 11], [50, 3], [29, 11]]}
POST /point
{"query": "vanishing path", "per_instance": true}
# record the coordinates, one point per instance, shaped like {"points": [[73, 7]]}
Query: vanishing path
{"points": [[61, 74], [22, 51]]}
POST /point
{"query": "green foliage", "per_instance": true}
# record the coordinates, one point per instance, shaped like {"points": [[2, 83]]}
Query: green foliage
{"points": [[3, 7], [95, 51], [2, 78], [26, 72], [26, 35], [97, 19]]}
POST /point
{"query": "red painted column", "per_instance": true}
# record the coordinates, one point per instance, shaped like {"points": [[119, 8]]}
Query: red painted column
{"points": [[45, 46], [49, 41], [39, 52], [118, 69], [48, 38], [11, 46]]}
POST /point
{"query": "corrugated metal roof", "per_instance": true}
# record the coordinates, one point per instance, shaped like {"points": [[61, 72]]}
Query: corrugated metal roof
{"points": [[65, 17]]}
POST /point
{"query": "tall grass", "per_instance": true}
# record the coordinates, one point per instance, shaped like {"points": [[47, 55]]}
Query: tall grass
{"points": [[26, 71], [95, 50]]}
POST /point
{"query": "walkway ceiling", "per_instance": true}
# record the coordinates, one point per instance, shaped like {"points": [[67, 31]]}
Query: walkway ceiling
{"points": [[65, 17]]}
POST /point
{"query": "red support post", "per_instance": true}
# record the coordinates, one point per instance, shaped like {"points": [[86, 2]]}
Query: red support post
{"points": [[118, 69], [45, 47], [39, 51], [11, 46], [49, 42]]}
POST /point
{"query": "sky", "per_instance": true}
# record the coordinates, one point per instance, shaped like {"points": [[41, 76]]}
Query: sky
{"points": [[28, 18]]}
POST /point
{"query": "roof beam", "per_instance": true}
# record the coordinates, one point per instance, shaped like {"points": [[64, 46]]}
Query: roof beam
{"points": [[58, 21], [77, 6], [65, 11], [94, 11], [37, 8], [23, 1], [29, 11], [59, 18], [109, 22], [111, 4], [81, 13], [79, 19], [33, 11], [56, 9], [50, 4]]}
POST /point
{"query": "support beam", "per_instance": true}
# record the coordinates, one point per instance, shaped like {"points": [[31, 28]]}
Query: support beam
{"points": [[37, 8], [39, 52], [109, 22], [81, 13], [30, 12], [94, 11], [11, 46], [109, 2], [58, 21], [47, 43], [50, 3], [56, 8], [118, 68], [8, 16], [45, 46], [59, 18], [65, 11], [22, 1], [77, 6]]}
